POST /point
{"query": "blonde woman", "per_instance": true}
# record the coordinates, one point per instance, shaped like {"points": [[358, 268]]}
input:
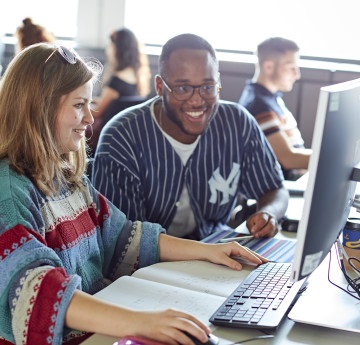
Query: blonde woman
{"points": [[61, 241]]}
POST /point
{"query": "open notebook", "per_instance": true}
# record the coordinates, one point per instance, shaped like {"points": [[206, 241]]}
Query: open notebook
{"points": [[183, 285]]}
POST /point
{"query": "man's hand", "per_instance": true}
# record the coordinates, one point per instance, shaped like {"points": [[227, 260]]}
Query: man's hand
{"points": [[262, 224]]}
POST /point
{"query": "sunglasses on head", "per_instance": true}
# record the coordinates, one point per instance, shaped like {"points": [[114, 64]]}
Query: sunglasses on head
{"points": [[68, 54]]}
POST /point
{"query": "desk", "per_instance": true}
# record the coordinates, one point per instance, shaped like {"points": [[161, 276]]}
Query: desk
{"points": [[288, 333]]}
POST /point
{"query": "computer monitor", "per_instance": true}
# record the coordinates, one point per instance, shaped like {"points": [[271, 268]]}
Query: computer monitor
{"points": [[330, 190]]}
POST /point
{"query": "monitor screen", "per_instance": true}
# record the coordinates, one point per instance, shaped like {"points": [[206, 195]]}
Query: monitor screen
{"points": [[330, 190]]}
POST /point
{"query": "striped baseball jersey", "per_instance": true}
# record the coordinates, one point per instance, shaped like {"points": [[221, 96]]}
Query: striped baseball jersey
{"points": [[137, 168]]}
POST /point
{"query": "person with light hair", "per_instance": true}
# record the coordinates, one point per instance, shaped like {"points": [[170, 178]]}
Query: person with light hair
{"points": [[61, 241], [276, 72]]}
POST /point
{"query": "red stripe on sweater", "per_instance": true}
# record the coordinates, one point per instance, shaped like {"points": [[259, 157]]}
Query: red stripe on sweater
{"points": [[67, 233], [45, 308], [14, 238], [4, 342], [104, 212]]}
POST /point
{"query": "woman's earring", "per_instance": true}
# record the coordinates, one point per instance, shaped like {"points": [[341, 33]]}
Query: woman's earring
{"points": [[87, 132]]}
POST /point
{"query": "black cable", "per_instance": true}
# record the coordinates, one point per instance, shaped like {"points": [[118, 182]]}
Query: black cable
{"points": [[353, 283], [348, 279]]}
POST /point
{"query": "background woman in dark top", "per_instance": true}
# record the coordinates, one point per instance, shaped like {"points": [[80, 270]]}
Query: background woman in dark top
{"points": [[127, 70], [127, 75]]}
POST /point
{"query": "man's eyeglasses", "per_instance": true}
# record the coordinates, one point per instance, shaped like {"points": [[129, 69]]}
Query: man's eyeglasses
{"points": [[69, 55], [185, 92]]}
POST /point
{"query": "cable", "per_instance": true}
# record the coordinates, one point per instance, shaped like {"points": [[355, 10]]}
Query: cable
{"points": [[351, 282], [350, 261], [259, 337], [354, 283]]}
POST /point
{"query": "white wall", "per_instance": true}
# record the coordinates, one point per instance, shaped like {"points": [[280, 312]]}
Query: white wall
{"points": [[102, 17]]}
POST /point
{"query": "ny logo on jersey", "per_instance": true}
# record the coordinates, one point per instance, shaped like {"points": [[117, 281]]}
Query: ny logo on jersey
{"points": [[226, 187]]}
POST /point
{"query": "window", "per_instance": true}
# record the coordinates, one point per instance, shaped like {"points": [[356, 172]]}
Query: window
{"points": [[58, 17], [322, 28]]}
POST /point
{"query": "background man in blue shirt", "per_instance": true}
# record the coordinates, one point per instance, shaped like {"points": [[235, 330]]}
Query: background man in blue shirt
{"points": [[276, 72]]}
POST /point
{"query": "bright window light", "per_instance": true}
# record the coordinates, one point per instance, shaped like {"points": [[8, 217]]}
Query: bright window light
{"points": [[58, 17], [322, 28]]}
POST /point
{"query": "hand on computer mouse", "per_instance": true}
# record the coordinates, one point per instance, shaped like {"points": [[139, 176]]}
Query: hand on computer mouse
{"points": [[212, 339], [136, 340]]}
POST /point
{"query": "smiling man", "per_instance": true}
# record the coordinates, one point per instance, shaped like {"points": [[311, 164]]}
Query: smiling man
{"points": [[276, 72], [183, 158]]}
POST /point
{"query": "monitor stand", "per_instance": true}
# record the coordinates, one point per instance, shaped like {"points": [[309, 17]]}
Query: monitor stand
{"points": [[324, 304]]}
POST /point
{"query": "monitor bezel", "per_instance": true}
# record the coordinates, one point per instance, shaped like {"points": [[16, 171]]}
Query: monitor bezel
{"points": [[304, 263]]}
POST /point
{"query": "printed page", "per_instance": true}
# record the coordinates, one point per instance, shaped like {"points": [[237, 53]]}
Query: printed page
{"points": [[140, 294], [195, 275]]}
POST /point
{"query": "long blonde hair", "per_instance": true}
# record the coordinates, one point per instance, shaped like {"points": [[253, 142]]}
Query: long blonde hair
{"points": [[30, 93]]}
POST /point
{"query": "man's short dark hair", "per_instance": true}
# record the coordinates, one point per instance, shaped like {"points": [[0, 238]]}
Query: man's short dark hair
{"points": [[184, 41], [274, 47]]}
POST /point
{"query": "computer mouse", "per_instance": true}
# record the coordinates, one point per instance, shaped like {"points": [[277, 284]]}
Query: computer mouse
{"points": [[135, 340], [212, 340], [290, 225]]}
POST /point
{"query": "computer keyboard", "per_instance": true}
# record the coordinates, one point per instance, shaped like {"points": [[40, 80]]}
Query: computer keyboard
{"points": [[261, 300]]}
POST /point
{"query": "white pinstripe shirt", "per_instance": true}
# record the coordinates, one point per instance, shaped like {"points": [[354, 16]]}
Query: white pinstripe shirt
{"points": [[138, 170]]}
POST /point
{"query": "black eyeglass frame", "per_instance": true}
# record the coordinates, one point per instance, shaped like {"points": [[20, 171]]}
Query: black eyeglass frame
{"points": [[68, 54], [200, 87]]}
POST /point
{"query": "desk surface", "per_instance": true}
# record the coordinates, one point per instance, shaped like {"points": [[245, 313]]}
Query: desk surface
{"points": [[288, 333]]}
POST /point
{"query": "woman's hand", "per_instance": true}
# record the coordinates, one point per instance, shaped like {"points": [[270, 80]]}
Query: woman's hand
{"points": [[174, 249], [167, 326], [223, 254], [90, 314]]}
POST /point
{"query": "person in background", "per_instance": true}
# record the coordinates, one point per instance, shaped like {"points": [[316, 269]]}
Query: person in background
{"points": [[127, 73], [30, 33], [276, 72], [127, 62], [61, 241], [2, 49], [182, 158]]}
